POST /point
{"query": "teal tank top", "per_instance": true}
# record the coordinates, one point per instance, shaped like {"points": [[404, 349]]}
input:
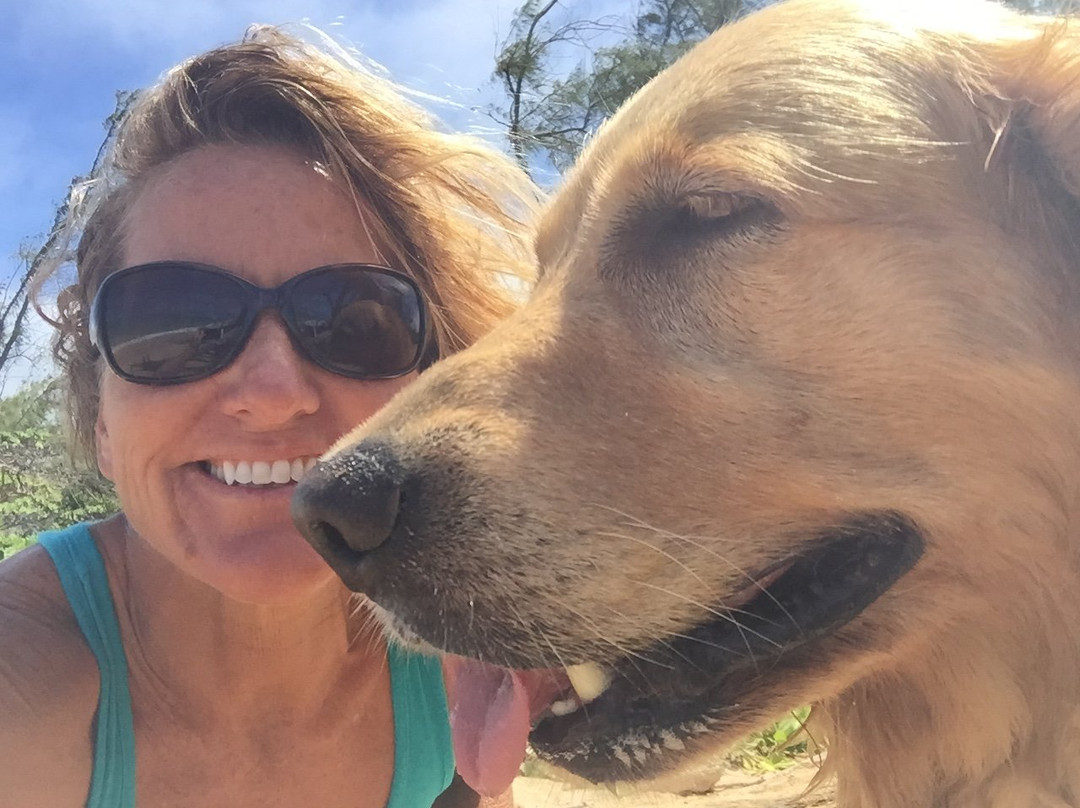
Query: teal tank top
{"points": [[423, 752]]}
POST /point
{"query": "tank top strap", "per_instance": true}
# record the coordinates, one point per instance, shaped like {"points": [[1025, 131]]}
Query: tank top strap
{"points": [[86, 586], [423, 751]]}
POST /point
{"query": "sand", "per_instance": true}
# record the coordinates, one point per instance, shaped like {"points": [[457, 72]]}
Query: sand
{"points": [[733, 789]]}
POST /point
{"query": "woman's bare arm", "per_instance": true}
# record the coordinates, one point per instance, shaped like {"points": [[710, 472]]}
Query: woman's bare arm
{"points": [[48, 689]]}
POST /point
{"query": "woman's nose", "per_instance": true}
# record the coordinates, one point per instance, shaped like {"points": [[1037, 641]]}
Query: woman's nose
{"points": [[269, 383]]}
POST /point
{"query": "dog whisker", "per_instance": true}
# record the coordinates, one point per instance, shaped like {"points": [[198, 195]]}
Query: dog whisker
{"points": [[365, 628], [623, 651], [726, 614], [706, 643], [698, 542], [732, 610], [655, 549], [537, 633], [743, 630]]}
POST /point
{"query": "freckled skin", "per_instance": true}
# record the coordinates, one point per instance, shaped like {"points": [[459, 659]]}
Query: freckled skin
{"points": [[224, 207]]}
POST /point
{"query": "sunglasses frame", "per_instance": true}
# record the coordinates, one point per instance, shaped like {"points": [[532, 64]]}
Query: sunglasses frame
{"points": [[257, 299]]}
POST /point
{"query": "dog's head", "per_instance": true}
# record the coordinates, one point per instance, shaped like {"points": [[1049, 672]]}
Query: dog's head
{"points": [[794, 396]]}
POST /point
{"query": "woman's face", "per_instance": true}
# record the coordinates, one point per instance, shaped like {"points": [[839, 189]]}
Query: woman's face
{"points": [[265, 215]]}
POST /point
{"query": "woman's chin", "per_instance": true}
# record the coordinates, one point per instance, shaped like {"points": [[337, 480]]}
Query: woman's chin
{"points": [[273, 567], [241, 540], [272, 564]]}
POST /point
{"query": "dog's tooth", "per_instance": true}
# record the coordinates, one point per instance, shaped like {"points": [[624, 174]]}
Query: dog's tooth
{"points": [[281, 471], [296, 469], [260, 472], [589, 680], [564, 707], [671, 741], [228, 472], [309, 464], [243, 472]]}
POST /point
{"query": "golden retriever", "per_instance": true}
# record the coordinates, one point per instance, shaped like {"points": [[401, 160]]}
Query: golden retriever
{"points": [[792, 416]]}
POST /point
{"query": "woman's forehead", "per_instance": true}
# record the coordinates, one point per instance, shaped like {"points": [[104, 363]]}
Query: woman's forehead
{"points": [[253, 210]]}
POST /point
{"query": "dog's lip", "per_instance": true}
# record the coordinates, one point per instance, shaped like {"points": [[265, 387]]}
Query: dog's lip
{"points": [[662, 697]]}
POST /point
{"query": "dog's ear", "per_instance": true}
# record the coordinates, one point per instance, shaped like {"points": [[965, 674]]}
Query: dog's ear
{"points": [[1035, 110], [1042, 78], [1024, 81]]}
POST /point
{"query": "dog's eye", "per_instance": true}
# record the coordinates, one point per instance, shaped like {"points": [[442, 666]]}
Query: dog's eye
{"points": [[714, 206], [656, 238], [715, 214]]}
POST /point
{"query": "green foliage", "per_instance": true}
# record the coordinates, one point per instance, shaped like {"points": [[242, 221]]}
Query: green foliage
{"points": [[775, 747], [33, 406], [15, 309], [40, 487], [554, 115], [523, 66]]}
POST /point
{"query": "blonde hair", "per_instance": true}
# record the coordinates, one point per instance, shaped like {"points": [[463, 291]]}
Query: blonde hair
{"points": [[450, 211]]}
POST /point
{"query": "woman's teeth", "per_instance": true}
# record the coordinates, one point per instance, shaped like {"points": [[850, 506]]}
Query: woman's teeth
{"points": [[261, 472]]}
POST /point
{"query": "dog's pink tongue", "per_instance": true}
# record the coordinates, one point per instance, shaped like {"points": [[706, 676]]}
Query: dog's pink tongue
{"points": [[489, 718]]}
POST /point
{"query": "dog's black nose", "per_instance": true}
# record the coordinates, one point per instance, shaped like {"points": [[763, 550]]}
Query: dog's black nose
{"points": [[347, 506]]}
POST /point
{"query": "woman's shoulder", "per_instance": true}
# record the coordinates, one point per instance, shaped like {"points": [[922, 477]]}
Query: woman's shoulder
{"points": [[48, 685], [44, 658]]}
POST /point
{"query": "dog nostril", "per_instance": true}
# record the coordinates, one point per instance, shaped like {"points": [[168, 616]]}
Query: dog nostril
{"points": [[325, 535], [347, 506]]}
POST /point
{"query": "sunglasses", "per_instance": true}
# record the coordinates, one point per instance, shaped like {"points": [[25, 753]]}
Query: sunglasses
{"points": [[171, 322]]}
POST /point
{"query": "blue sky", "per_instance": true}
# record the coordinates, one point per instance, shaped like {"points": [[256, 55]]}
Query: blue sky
{"points": [[61, 62]]}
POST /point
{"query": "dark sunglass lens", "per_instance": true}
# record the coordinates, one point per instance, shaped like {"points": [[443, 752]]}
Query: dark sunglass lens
{"points": [[359, 322], [172, 323]]}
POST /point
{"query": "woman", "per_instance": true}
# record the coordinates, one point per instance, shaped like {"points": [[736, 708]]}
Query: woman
{"points": [[193, 650]]}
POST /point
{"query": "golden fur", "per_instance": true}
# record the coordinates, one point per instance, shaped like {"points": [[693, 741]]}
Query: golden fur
{"points": [[829, 263]]}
